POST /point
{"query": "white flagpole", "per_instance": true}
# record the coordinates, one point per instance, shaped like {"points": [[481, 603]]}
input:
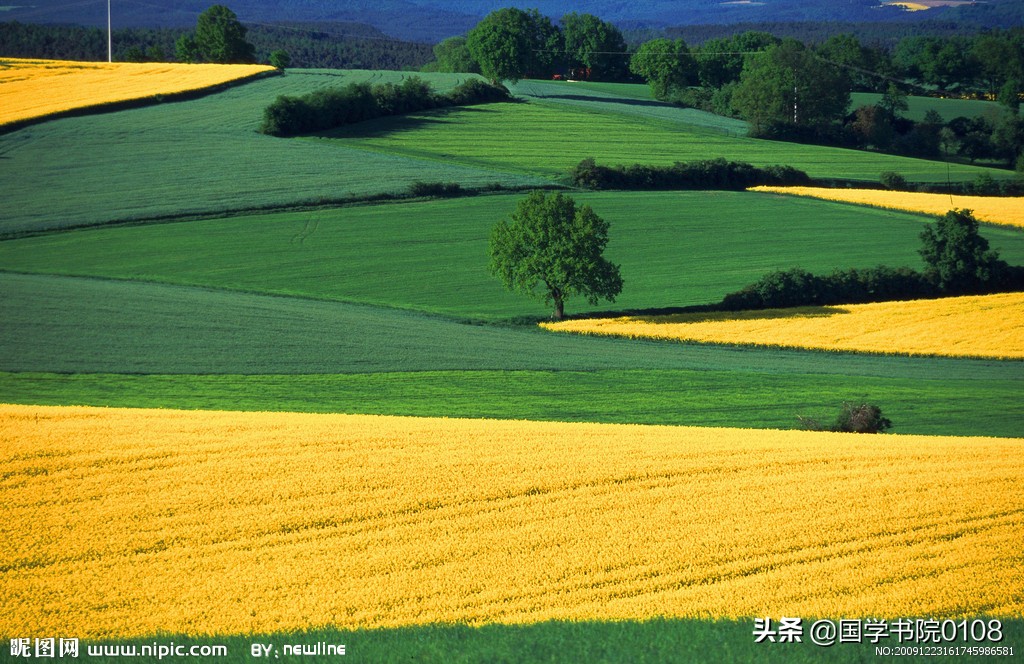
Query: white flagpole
{"points": [[110, 38]]}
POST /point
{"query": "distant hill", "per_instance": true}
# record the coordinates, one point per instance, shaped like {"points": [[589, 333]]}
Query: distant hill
{"points": [[433, 20]]}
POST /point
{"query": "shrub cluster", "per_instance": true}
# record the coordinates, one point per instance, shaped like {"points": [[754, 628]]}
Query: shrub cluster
{"points": [[958, 262], [798, 288], [356, 102], [705, 174], [435, 189], [853, 418]]}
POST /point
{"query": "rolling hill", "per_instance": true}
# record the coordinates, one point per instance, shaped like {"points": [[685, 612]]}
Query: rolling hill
{"points": [[163, 263]]}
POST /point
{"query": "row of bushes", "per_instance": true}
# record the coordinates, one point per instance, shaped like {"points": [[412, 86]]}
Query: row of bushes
{"points": [[957, 259], [797, 287], [705, 174], [357, 102], [800, 288]]}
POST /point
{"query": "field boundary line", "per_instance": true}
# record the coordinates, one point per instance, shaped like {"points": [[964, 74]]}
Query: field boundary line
{"points": [[139, 102]]}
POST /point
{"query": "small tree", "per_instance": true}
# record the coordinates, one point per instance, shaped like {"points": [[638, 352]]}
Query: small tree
{"points": [[854, 417], [861, 418], [552, 249], [280, 59], [186, 50], [958, 258]]}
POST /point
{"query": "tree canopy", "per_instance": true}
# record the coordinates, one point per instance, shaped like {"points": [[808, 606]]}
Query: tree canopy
{"points": [[666, 64], [958, 258], [552, 250], [453, 56], [596, 45], [510, 44], [220, 37], [789, 85]]}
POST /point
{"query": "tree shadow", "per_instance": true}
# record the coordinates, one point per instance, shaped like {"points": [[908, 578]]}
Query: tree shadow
{"points": [[392, 124], [669, 316], [625, 101]]}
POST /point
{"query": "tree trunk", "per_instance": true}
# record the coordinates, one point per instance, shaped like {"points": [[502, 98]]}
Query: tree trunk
{"points": [[559, 307]]}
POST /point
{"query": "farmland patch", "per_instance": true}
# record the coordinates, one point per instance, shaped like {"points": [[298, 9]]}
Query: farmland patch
{"points": [[1002, 210], [675, 248], [418, 521], [974, 326]]}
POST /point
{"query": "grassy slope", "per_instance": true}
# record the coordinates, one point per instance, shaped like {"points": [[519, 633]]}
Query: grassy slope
{"points": [[686, 248], [550, 137], [199, 156], [107, 333], [721, 385], [628, 100]]}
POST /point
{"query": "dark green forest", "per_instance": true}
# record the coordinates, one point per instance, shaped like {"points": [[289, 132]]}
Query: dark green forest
{"points": [[328, 46]]}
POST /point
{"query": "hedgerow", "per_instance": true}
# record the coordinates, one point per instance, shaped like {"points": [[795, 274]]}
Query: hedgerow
{"points": [[703, 174], [357, 102]]}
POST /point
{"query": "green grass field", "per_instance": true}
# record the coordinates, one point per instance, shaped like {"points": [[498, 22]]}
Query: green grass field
{"points": [[387, 308], [201, 156], [685, 248], [628, 100], [549, 138], [115, 343]]}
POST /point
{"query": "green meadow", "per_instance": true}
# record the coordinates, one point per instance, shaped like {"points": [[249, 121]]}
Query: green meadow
{"points": [[202, 156], [550, 137], [172, 257], [675, 248]]}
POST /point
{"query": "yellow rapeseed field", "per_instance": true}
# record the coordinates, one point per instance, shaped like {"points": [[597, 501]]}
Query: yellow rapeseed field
{"points": [[118, 522], [974, 326], [1008, 211], [36, 88]]}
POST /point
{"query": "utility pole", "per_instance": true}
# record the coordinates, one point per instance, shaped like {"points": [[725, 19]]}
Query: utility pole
{"points": [[110, 37]]}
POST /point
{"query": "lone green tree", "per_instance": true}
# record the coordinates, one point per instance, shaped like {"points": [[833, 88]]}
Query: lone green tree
{"points": [[958, 259], [220, 37], [551, 250]]}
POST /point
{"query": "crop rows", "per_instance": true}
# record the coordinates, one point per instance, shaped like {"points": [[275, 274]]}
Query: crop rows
{"points": [[34, 88], [550, 137], [975, 326], [133, 522], [1003, 210], [202, 156]]}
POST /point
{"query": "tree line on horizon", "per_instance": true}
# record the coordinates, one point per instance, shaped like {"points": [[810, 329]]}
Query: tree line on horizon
{"points": [[334, 46], [783, 88]]}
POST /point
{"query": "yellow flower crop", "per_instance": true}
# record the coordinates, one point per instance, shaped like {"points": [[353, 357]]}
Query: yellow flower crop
{"points": [[973, 326], [120, 522], [1008, 211], [36, 88]]}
